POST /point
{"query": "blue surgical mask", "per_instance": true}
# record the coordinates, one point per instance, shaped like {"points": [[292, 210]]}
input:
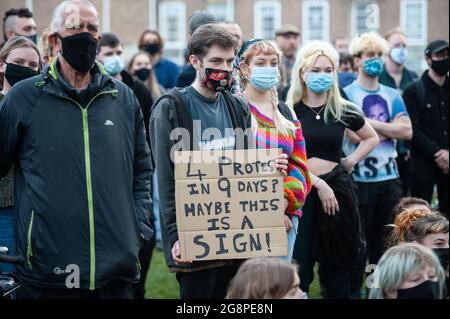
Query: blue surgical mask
{"points": [[320, 82], [399, 55], [374, 67], [113, 65], [264, 79]]}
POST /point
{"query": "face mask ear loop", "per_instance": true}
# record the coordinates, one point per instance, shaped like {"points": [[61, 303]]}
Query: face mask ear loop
{"points": [[200, 62], [247, 78], [60, 38]]}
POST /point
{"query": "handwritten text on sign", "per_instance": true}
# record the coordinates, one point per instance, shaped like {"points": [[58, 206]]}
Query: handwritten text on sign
{"points": [[230, 204]]}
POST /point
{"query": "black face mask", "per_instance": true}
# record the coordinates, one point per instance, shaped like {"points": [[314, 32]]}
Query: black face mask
{"points": [[442, 254], [15, 73], [426, 290], [152, 48], [142, 74], [218, 80], [440, 67], [32, 38], [79, 51]]}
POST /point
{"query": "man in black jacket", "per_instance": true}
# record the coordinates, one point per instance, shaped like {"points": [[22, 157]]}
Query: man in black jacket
{"points": [[110, 51], [398, 76], [82, 196], [427, 102]]}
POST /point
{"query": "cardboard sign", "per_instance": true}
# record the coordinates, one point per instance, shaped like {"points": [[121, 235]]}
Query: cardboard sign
{"points": [[230, 204]]}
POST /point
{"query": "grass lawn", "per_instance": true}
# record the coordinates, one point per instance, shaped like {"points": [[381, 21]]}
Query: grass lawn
{"points": [[161, 284]]}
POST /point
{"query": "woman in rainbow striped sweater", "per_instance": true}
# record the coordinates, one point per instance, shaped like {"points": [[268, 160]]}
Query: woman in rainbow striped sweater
{"points": [[276, 126]]}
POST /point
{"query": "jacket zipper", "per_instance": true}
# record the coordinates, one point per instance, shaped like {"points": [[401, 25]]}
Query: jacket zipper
{"points": [[29, 248], [87, 158]]}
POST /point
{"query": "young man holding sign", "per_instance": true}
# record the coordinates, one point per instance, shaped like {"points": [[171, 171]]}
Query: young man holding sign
{"points": [[208, 116]]}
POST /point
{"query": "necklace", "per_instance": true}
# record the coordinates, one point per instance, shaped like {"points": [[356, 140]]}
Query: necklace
{"points": [[318, 116]]}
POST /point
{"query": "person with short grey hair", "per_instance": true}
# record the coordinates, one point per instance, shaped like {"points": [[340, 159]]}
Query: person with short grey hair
{"points": [[77, 140]]}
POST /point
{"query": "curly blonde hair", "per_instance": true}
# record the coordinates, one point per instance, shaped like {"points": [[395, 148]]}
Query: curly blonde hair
{"points": [[368, 42]]}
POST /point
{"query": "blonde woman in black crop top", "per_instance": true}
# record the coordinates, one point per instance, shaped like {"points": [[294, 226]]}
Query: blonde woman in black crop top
{"points": [[325, 117]]}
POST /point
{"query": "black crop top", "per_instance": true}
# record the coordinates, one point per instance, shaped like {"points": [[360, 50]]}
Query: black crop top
{"points": [[325, 141]]}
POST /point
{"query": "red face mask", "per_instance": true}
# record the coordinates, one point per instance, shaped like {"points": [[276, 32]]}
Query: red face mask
{"points": [[218, 80]]}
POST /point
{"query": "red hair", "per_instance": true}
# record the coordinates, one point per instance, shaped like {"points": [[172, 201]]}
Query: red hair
{"points": [[415, 225]]}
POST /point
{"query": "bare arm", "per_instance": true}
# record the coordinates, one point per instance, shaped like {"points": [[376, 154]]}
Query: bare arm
{"points": [[326, 195], [399, 129], [368, 141], [352, 136]]}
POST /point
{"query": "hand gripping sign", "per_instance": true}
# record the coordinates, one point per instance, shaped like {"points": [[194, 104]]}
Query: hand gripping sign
{"points": [[230, 204]]}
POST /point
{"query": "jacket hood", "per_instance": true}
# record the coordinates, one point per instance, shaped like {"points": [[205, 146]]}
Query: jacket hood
{"points": [[57, 85]]}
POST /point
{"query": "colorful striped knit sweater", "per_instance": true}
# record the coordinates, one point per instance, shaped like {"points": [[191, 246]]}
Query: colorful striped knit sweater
{"points": [[298, 182]]}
